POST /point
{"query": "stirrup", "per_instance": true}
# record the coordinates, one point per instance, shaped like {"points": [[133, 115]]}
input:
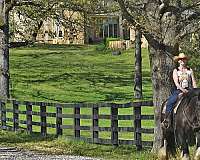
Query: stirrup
{"points": [[165, 124]]}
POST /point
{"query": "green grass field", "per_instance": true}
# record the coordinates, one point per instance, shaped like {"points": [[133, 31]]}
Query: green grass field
{"points": [[62, 73], [75, 74], [52, 73]]}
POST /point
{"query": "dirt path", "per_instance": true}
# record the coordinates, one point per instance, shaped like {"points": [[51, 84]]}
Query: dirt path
{"points": [[11, 153]]}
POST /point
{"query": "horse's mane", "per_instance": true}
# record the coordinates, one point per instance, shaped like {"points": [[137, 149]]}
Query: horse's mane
{"points": [[191, 94], [188, 111], [185, 120]]}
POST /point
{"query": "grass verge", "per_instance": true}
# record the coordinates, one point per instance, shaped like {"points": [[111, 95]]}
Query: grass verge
{"points": [[64, 146]]}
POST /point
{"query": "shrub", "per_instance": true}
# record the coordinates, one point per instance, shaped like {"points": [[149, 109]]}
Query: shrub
{"points": [[107, 40]]}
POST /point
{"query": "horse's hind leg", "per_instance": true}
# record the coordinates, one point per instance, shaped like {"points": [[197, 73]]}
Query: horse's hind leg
{"points": [[162, 152], [184, 146], [197, 154], [185, 152]]}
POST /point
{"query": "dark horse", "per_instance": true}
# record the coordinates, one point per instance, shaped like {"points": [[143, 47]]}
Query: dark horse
{"points": [[185, 127]]}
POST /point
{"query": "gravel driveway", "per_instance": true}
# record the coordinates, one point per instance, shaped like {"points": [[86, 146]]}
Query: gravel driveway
{"points": [[11, 153]]}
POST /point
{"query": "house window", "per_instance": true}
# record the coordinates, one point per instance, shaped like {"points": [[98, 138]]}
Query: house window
{"points": [[105, 27], [126, 33], [60, 34], [101, 32], [105, 31], [115, 30], [111, 30]]}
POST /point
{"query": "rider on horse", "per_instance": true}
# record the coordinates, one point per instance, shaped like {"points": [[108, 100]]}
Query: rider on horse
{"points": [[184, 80]]}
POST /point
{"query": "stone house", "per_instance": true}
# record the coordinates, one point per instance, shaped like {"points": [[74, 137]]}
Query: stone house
{"points": [[74, 29]]}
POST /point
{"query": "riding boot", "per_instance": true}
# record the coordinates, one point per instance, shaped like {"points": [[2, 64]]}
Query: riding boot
{"points": [[166, 123]]}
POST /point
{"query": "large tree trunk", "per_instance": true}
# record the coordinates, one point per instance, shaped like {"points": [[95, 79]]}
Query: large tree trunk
{"points": [[164, 23], [161, 58], [162, 67], [4, 52]]}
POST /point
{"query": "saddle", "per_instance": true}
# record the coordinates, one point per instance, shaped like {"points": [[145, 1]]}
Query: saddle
{"points": [[178, 101], [166, 123]]}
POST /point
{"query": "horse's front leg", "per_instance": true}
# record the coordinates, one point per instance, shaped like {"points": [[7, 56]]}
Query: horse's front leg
{"points": [[185, 151], [162, 152], [197, 154], [184, 146]]}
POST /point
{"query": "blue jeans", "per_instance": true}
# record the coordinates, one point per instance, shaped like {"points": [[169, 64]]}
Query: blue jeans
{"points": [[172, 100]]}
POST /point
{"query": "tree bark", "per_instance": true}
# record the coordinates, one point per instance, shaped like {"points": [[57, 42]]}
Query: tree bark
{"points": [[164, 23], [162, 67], [162, 64], [4, 52], [138, 65]]}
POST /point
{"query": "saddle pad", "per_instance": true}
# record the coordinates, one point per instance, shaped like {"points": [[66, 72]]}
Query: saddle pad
{"points": [[175, 106], [164, 108]]}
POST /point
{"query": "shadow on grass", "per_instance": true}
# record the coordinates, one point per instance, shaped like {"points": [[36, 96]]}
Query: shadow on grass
{"points": [[99, 83]]}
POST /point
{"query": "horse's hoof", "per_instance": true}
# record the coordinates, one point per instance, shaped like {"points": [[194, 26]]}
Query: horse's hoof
{"points": [[162, 154], [185, 157], [197, 154]]}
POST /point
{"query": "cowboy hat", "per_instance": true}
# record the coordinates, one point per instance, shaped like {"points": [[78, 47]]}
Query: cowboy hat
{"points": [[180, 56]]}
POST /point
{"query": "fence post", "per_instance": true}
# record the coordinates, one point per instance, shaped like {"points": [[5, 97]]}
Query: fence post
{"points": [[15, 116], [137, 124], [43, 119], [77, 121], [114, 125], [29, 117], [59, 130], [3, 115], [95, 117]]}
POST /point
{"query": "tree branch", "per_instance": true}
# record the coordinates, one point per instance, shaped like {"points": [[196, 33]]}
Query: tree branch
{"points": [[188, 29], [14, 3], [194, 5], [126, 14]]}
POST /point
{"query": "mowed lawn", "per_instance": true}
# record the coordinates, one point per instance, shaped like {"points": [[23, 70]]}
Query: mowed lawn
{"points": [[75, 74], [67, 73], [61, 73], [64, 73]]}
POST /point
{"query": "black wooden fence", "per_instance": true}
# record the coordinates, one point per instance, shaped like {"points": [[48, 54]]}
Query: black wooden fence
{"points": [[11, 111]]}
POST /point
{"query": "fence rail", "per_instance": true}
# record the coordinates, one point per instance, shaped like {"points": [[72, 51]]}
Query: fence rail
{"points": [[12, 113]]}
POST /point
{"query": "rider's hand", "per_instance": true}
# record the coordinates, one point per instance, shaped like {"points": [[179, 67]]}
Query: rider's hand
{"points": [[184, 90]]}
